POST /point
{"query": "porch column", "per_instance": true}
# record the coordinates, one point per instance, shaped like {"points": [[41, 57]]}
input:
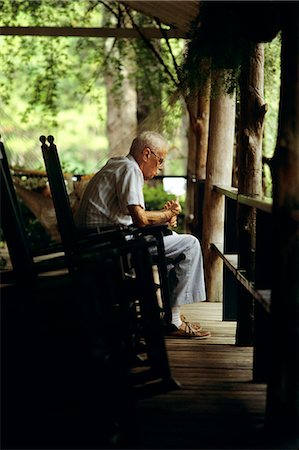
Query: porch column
{"points": [[249, 151], [283, 388], [219, 171], [199, 108], [191, 179]]}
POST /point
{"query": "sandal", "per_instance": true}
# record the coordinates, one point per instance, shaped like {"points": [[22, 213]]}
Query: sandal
{"points": [[186, 331], [195, 325]]}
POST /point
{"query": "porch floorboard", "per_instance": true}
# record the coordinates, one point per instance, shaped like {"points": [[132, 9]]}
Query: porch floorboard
{"points": [[218, 406]]}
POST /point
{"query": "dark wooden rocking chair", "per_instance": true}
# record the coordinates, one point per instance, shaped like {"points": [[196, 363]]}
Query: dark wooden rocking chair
{"points": [[70, 234], [59, 364], [73, 317], [141, 301]]}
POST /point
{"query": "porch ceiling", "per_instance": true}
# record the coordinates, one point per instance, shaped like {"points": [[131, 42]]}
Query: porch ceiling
{"points": [[178, 14]]}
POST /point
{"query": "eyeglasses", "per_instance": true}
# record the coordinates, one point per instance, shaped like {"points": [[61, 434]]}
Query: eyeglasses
{"points": [[161, 160]]}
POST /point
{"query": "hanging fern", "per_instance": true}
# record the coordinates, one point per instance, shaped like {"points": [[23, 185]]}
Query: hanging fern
{"points": [[221, 35]]}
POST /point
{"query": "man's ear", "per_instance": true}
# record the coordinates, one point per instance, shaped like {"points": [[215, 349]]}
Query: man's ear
{"points": [[146, 153]]}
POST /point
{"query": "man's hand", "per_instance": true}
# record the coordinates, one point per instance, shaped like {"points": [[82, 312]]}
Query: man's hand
{"points": [[173, 222], [174, 206], [168, 215]]}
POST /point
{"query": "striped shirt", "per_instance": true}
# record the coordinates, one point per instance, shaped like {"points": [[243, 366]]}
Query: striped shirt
{"points": [[109, 193]]}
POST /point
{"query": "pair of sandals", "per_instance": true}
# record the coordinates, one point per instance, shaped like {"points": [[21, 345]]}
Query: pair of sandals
{"points": [[187, 330]]}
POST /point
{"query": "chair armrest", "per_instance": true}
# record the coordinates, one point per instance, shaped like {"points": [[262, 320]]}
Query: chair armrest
{"points": [[151, 230], [53, 247]]}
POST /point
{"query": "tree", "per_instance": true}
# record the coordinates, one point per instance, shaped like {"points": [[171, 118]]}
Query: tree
{"points": [[61, 71]]}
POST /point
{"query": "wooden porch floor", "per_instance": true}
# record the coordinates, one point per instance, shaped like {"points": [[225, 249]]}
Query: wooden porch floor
{"points": [[218, 406]]}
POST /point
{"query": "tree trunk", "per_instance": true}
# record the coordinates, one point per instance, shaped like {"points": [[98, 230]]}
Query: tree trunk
{"points": [[121, 115], [219, 171], [283, 396], [149, 106], [202, 131], [252, 114], [148, 87], [198, 135], [191, 164]]}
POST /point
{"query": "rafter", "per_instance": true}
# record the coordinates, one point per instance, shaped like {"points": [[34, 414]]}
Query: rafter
{"points": [[128, 33]]}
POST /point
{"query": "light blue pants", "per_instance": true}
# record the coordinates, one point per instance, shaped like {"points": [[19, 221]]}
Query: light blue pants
{"points": [[187, 281]]}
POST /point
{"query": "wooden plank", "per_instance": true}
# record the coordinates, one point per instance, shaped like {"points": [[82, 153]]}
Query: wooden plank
{"points": [[228, 191], [203, 310], [230, 262], [262, 203], [218, 406], [180, 14], [218, 171], [128, 33]]}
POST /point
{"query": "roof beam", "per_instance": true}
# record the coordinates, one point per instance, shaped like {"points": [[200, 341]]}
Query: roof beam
{"points": [[128, 33]]}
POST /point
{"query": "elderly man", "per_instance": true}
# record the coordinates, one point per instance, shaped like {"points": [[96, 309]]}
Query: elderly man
{"points": [[115, 196]]}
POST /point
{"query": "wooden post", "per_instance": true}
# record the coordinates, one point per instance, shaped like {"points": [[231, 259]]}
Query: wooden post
{"points": [[199, 107], [191, 164], [219, 171], [251, 125], [202, 125], [283, 393], [202, 128]]}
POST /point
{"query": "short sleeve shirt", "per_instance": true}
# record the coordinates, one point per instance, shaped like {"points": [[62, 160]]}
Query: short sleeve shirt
{"points": [[109, 193]]}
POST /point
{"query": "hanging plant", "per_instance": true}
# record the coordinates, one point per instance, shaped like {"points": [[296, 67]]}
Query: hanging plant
{"points": [[222, 34]]}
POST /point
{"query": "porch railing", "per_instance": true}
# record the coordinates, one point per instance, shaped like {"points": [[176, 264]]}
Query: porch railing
{"points": [[247, 293]]}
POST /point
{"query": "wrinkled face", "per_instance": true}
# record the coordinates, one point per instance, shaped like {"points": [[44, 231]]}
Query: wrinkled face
{"points": [[153, 162]]}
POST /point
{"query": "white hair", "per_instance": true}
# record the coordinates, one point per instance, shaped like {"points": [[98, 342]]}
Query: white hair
{"points": [[155, 141]]}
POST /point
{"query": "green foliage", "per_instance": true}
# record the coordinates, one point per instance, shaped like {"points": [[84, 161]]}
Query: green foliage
{"points": [[272, 93], [46, 63], [224, 44], [55, 85], [155, 197], [222, 34], [80, 137], [47, 82], [40, 62], [215, 41]]}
